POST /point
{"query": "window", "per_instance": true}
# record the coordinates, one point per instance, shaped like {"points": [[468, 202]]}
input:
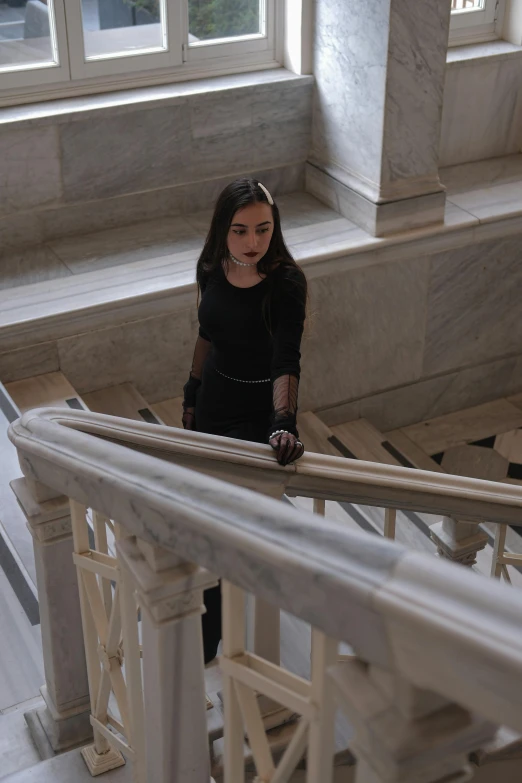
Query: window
{"points": [[70, 41], [473, 21]]}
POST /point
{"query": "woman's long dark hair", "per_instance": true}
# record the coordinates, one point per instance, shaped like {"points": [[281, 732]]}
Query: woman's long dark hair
{"points": [[238, 195]]}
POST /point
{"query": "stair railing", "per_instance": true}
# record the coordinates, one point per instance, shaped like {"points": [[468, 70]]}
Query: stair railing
{"points": [[437, 646]]}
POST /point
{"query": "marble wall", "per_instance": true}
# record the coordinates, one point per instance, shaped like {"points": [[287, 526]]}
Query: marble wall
{"points": [[482, 115], [411, 339], [87, 166], [396, 339]]}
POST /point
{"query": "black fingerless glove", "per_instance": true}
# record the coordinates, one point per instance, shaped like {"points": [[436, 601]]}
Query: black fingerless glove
{"points": [[189, 392]]}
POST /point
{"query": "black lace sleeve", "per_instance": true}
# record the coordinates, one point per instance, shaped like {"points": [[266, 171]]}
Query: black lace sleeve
{"points": [[290, 305], [194, 382]]}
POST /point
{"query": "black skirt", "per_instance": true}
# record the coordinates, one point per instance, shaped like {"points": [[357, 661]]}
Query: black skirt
{"points": [[231, 408]]}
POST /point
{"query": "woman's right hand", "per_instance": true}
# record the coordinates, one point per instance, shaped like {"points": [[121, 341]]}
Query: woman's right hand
{"points": [[188, 419]]}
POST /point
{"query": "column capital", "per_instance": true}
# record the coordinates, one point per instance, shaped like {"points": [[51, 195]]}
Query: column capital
{"points": [[458, 541], [47, 520], [170, 595]]}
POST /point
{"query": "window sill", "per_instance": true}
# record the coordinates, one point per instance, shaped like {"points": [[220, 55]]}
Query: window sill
{"points": [[475, 54], [109, 104]]}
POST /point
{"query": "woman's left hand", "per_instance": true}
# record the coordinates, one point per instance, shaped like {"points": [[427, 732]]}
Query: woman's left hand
{"points": [[288, 447]]}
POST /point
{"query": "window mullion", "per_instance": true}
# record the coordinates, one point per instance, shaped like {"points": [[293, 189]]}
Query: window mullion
{"points": [[177, 24]]}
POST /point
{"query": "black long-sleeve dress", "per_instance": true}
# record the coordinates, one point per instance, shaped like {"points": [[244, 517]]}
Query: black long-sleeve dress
{"points": [[246, 366], [245, 372]]}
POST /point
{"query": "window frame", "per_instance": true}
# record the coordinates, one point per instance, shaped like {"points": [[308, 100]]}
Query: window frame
{"points": [[179, 63], [477, 26], [43, 74], [83, 68]]}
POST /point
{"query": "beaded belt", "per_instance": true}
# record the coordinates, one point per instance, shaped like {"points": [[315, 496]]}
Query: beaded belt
{"points": [[240, 380]]}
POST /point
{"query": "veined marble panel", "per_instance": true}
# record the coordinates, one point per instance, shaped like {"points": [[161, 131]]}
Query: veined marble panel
{"points": [[493, 202], [116, 246], [279, 179], [154, 355], [220, 113], [472, 176], [366, 331], [282, 102], [27, 362], [21, 229], [432, 397], [351, 47], [264, 146], [122, 154], [414, 88], [29, 169], [135, 208], [32, 265], [474, 310], [482, 113], [377, 219]]}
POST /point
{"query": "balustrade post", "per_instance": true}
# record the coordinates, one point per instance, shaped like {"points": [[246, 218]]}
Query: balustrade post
{"points": [[170, 596], [458, 541], [66, 717], [405, 734]]}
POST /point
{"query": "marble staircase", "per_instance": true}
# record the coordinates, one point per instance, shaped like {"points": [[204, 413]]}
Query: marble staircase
{"points": [[57, 297], [357, 439]]}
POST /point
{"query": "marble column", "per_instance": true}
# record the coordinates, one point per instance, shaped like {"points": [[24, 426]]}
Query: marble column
{"points": [[170, 595], [404, 734], [65, 719], [379, 68]]}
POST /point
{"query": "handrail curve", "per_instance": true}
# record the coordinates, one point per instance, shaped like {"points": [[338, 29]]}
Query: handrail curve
{"points": [[390, 604]]}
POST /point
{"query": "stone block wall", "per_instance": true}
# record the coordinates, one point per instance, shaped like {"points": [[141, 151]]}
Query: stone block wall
{"points": [[82, 166]]}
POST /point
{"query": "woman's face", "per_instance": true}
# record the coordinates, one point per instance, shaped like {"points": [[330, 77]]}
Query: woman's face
{"points": [[250, 232]]}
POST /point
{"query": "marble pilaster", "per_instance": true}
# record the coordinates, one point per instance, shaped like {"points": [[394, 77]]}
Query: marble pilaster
{"points": [[379, 67]]}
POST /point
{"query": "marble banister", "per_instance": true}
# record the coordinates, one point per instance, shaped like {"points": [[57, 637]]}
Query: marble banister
{"points": [[416, 623], [176, 508], [253, 466]]}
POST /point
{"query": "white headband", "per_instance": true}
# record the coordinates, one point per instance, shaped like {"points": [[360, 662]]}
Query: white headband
{"points": [[267, 194]]}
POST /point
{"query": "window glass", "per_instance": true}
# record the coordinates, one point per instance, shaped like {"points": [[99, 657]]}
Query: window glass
{"points": [[117, 28], [218, 19], [27, 34]]}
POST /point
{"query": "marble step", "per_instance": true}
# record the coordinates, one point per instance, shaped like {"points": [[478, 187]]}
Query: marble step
{"points": [[473, 424], [49, 390], [315, 435], [411, 452], [364, 441], [122, 400], [66, 768], [169, 411]]}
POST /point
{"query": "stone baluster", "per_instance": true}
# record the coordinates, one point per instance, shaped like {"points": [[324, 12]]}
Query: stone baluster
{"points": [[458, 541], [170, 595], [405, 734], [65, 718]]}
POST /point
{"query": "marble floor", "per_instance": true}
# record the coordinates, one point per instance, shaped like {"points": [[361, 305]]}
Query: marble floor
{"points": [[304, 219]]}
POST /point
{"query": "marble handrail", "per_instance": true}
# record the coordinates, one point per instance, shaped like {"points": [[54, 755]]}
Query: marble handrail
{"points": [[440, 627], [315, 475]]}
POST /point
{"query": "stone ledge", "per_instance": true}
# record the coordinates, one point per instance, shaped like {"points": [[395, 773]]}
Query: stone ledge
{"points": [[40, 312], [475, 54], [68, 110]]}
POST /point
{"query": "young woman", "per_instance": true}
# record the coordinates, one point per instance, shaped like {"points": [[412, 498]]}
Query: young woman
{"points": [[245, 371]]}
